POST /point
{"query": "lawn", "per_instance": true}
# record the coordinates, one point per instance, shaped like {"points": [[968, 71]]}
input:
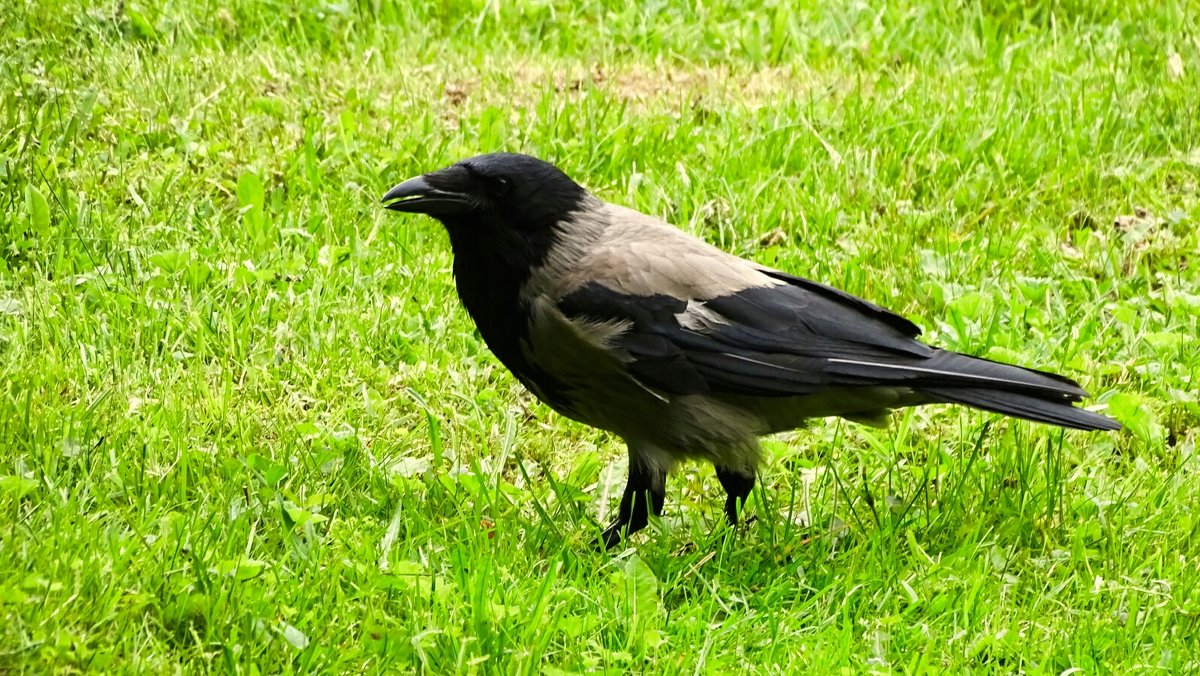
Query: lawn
{"points": [[245, 425]]}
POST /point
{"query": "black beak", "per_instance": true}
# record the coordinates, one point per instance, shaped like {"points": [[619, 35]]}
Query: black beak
{"points": [[416, 196]]}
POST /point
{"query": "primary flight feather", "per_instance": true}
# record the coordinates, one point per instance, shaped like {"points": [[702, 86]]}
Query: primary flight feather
{"points": [[623, 322]]}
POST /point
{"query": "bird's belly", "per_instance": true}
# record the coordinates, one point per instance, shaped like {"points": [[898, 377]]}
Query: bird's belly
{"points": [[867, 405], [597, 390], [681, 427]]}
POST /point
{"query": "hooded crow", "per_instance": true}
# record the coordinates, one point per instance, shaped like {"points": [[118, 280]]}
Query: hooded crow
{"points": [[623, 322]]}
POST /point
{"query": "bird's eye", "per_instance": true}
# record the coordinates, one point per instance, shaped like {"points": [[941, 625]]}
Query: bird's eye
{"points": [[499, 186]]}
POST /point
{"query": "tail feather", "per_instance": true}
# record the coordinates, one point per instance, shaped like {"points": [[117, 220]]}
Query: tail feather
{"points": [[955, 378], [1024, 406], [952, 369]]}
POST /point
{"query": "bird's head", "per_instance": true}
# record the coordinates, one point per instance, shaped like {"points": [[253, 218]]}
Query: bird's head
{"points": [[489, 193]]}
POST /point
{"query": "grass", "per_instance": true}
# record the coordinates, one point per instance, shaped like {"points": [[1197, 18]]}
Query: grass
{"points": [[245, 427]]}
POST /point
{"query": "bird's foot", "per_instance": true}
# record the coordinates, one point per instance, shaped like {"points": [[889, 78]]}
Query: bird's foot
{"points": [[610, 538]]}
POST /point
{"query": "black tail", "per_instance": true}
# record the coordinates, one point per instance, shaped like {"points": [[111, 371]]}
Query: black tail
{"points": [[1015, 391], [1025, 406]]}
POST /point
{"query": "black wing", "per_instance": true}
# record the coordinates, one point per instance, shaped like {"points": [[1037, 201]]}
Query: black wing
{"points": [[800, 338], [763, 341], [866, 308]]}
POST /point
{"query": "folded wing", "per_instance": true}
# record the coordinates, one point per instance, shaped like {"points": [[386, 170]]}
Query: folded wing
{"points": [[791, 337]]}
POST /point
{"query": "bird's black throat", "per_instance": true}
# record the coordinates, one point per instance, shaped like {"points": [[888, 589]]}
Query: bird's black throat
{"points": [[491, 265]]}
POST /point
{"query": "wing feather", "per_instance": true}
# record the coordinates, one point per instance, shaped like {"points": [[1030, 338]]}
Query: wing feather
{"points": [[787, 340]]}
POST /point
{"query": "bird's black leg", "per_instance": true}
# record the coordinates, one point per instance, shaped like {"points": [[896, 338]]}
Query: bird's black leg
{"points": [[644, 491], [737, 485]]}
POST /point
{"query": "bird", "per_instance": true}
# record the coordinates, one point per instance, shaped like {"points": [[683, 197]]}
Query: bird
{"points": [[623, 322]]}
